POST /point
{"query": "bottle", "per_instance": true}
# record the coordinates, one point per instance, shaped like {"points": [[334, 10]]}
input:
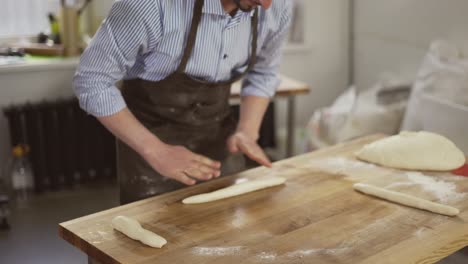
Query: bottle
{"points": [[22, 181], [54, 29]]}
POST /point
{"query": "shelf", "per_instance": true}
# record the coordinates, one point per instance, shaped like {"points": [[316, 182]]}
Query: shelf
{"points": [[40, 65]]}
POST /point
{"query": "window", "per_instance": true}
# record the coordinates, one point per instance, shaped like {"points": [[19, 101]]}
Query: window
{"points": [[20, 18]]}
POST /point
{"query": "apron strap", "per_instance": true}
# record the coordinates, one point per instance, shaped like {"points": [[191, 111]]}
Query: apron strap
{"points": [[253, 56], [197, 15]]}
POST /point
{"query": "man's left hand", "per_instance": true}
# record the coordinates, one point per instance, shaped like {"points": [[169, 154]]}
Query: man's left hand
{"points": [[241, 141]]}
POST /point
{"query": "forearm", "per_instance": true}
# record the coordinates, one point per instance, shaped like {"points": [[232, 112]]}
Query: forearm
{"points": [[127, 128], [252, 110]]}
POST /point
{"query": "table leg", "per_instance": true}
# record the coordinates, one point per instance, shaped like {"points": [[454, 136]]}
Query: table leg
{"points": [[291, 132]]}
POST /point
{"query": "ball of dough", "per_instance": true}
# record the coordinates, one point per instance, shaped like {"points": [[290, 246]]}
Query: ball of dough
{"points": [[414, 151]]}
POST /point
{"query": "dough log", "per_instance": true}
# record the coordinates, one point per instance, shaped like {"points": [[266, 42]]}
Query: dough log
{"points": [[133, 230], [407, 200], [234, 190]]}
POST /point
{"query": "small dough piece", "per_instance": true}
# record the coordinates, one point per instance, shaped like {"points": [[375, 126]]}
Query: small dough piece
{"points": [[234, 190], [132, 229], [414, 151], [405, 199]]}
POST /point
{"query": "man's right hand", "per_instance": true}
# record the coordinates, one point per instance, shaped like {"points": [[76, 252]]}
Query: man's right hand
{"points": [[181, 164], [174, 162]]}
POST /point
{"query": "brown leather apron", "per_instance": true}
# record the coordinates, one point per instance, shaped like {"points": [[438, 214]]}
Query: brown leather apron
{"points": [[180, 110]]}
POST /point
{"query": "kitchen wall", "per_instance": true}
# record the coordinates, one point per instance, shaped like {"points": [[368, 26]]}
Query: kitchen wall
{"points": [[395, 35], [324, 67], [32, 83], [322, 63]]}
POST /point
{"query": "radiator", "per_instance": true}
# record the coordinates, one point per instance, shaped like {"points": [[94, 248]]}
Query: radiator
{"points": [[68, 147]]}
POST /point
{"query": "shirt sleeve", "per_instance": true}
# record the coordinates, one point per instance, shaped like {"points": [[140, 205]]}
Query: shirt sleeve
{"points": [[263, 79], [132, 28]]}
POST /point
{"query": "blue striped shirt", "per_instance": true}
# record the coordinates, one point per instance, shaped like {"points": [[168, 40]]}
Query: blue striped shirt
{"points": [[146, 38]]}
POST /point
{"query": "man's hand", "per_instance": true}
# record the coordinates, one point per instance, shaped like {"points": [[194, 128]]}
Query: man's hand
{"points": [[181, 164], [173, 162], [242, 141]]}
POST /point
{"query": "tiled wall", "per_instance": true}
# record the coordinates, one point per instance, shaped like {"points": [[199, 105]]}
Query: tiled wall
{"points": [[395, 35]]}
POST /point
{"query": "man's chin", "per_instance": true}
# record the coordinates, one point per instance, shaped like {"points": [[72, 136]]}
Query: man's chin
{"points": [[244, 8], [249, 9]]}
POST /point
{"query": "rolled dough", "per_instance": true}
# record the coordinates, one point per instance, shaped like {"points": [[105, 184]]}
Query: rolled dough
{"points": [[234, 190], [405, 199], [132, 229], [414, 151]]}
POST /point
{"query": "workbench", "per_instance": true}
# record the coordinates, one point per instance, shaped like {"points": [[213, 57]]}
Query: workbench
{"points": [[316, 217]]}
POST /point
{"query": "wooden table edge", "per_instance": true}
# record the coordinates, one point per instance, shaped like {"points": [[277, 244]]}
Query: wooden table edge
{"points": [[89, 249], [285, 93]]}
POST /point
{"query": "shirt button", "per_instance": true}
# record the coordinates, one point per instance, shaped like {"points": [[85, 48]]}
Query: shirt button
{"points": [[172, 109], [225, 56]]}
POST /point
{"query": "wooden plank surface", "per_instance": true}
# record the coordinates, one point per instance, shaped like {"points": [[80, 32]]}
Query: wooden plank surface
{"points": [[287, 87], [316, 217]]}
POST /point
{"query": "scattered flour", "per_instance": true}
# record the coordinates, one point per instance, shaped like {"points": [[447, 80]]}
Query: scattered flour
{"points": [[269, 256], [102, 233], [316, 251], [441, 187], [217, 251], [444, 191], [354, 169], [303, 253], [98, 237], [419, 232], [147, 179]]}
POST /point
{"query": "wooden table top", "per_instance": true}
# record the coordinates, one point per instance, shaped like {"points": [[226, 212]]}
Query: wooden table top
{"points": [[287, 87], [316, 217]]}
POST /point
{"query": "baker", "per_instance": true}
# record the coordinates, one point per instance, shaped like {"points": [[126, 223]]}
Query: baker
{"points": [[177, 60]]}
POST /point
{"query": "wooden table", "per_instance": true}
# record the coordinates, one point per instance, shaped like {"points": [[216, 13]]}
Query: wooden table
{"points": [[315, 218], [289, 89]]}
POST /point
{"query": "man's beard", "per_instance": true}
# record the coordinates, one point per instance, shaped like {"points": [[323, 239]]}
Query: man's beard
{"points": [[238, 4]]}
